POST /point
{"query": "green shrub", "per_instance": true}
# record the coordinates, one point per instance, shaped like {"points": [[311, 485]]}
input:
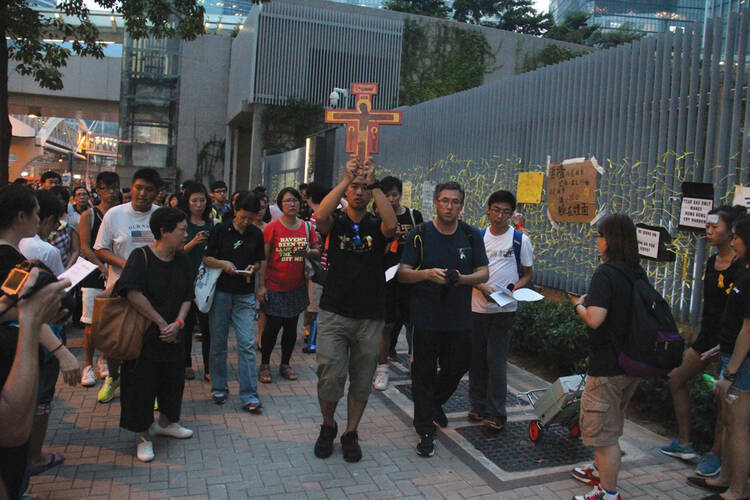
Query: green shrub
{"points": [[553, 334]]}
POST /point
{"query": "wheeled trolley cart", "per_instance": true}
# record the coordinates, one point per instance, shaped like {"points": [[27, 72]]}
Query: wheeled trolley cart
{"points": [[559, 404]]}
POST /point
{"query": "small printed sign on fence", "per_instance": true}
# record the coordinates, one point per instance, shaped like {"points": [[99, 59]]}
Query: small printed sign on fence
{"points": [[529, 187], [406, 194], [742, 196], [653, 241], [697, 201], [428, 189]]}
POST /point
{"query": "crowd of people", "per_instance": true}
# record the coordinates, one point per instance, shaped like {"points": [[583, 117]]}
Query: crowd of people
{"points": [[150, 246]]}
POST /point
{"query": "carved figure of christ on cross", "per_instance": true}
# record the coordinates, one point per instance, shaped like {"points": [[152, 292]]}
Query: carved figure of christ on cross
{"points": [[362, 123]]}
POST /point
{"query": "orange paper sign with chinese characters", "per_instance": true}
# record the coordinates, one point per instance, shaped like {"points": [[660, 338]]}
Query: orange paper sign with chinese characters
{"points": [[362, 123], [571, 191]]}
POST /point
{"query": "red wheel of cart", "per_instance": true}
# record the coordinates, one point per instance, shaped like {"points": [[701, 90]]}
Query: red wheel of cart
{"points": [[535, 430], [575, 431]]}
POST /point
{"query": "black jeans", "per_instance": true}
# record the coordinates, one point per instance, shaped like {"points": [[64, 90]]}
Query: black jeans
{"points": [[195, 316], [271, 333], [488, 374], [430, 388], [142, 381]]}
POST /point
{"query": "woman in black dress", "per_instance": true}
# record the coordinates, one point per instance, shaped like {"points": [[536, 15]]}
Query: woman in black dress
{"points": [[157, 280]]}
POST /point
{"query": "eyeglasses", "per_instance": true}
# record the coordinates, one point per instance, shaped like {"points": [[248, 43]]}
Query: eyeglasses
{"points": [[447, 202], [503, 211]]}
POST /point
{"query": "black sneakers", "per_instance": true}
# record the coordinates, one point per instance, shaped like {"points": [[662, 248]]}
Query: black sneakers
{"points": [[350, 446], [426, 447], [324, 444], [440, 418]]}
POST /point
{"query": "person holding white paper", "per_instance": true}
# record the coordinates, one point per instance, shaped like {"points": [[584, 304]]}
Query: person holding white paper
{"points": [[511, 258]]}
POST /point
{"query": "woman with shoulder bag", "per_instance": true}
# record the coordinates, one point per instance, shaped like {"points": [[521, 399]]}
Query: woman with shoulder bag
{"points": [[157, 281], [195, 205], [282, 285], [606, 310]]}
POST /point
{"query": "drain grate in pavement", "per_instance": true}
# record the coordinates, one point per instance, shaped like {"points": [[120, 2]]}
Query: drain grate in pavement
{"points": [[513, 451], [459, 402]]}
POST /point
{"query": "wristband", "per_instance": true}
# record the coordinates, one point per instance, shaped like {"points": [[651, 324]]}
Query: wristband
{"points": [[180, 322], [575, 307], [374, 185], [53, 351], [727, 375]]}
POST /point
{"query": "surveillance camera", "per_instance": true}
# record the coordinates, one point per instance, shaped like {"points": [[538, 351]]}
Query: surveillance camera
{"points": [[334, 98]]}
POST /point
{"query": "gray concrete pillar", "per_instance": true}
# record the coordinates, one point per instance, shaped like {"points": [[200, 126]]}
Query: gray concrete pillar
{"points": [[256, 147]]}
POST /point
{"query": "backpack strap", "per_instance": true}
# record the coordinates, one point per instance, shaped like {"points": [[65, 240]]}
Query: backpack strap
{"points": [[411, 216], [517, 240], [419, 244]]}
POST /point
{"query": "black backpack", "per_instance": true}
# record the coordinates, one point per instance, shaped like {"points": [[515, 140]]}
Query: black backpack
{"points": [[651, 345]]}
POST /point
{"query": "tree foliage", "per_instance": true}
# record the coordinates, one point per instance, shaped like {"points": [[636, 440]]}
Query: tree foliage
{"points": [[24, 31], [510, 15], [431, 8], [577, 28], [551, 54], [440, 59], [285, 126]]}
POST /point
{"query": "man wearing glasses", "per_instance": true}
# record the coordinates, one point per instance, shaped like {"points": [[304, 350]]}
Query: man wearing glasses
{"points": [[444, 259], [353, 301], [220, 205], [510, 256]]}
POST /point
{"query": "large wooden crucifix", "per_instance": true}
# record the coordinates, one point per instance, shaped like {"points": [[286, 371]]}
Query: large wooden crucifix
{"points": [[362, 123]]}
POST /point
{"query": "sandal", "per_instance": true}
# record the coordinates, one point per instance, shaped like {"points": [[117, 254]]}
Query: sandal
{"points": [[287, 372], [55, 459], [264, 374]]}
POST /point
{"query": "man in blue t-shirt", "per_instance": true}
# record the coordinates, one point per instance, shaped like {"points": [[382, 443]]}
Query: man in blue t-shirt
{"points": [[444, 259]]}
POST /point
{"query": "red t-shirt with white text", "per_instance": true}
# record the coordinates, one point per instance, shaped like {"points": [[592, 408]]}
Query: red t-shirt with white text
{"points": [[286, 272]]}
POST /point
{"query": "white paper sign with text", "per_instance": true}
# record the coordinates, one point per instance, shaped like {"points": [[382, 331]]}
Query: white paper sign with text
{"points": [[693, 212], [648, 242]]}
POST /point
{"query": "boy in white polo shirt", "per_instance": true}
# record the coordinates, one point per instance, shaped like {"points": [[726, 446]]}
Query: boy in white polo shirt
{"points": [[510, 255]]}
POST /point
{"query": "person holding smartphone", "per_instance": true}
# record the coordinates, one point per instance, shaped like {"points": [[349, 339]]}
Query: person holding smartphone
{"points": [[235, 245], [282, 287], [195, 204]]}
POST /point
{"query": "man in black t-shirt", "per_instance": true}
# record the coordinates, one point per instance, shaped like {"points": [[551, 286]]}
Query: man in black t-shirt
{"points": [[444, 259], [353, 302]]}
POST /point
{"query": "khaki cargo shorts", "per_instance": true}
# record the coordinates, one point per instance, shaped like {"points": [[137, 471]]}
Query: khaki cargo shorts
{"points": [[603, 408], [346, 346]]}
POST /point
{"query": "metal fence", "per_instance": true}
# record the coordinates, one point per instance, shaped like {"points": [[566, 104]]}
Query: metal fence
{"points": [[655, 113], [283, 170]]}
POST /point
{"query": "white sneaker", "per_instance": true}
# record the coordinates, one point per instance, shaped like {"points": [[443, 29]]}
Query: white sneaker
{"points": [[381, 378], [88, 378], [102, 368], [145, 450], [174, 430]]}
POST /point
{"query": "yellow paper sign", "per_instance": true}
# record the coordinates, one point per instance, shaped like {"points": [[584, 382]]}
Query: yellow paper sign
{"points": [[530, 187]]}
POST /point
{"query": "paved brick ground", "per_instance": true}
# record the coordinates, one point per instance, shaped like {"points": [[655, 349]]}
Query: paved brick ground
{"points": [[237, 455]]}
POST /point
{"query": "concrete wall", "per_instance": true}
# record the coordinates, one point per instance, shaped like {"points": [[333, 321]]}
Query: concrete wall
{"points": [[204, 86], [83, 78], [242, 67]]}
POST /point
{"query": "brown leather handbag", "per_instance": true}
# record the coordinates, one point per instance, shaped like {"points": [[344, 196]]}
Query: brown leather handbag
{"points": [[117, 328]]}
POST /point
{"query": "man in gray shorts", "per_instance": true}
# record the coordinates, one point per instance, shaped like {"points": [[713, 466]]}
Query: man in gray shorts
{"points": [[353, 302]]}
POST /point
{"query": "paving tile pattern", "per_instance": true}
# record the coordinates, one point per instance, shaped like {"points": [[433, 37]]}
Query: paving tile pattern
{"points": [[513, 451], [236, 455], [459, 402]]}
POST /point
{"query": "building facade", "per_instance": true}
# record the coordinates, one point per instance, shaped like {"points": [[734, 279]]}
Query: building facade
{"points": [[648, 16]]}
